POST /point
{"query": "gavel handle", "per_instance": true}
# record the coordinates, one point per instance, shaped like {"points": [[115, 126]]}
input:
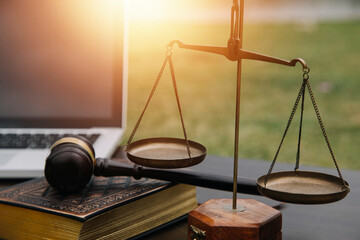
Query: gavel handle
{"points": [[108, 168]]}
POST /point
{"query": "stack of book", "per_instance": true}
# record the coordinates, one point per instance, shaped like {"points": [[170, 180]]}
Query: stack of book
{"points": [[117, 208]]}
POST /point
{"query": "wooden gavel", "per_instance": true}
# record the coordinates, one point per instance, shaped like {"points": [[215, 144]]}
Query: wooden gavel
{"points": [[72, 162]]}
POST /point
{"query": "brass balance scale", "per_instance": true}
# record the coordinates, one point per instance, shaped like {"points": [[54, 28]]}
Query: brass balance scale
{"points": [[290, 186]]}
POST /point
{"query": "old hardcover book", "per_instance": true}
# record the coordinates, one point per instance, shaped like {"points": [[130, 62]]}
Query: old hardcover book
{"points": [[109, 208]]}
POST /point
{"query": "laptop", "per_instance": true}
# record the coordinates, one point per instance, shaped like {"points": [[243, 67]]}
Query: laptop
{"points": [[63, 70]]}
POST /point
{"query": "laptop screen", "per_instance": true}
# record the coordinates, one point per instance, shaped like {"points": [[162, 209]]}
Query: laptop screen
{"points": [[61, 63]]}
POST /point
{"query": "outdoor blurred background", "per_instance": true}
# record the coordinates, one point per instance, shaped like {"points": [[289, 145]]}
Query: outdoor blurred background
{"points": [[326, 33]]}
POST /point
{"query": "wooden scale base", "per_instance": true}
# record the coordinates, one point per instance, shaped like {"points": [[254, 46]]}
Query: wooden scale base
{"points": [[252, 220]]}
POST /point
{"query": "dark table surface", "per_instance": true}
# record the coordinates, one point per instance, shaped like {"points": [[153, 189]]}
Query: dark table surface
{"points": [[335, 221]]}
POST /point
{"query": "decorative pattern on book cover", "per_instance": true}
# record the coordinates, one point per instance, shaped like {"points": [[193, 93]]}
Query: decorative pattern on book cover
{"points": [[101, 194]]}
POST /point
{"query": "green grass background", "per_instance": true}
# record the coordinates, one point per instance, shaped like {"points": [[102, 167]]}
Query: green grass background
{"points": [[207, 85]]}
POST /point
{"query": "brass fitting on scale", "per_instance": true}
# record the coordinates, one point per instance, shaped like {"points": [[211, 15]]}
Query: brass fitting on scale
{"points": [[234, 52]]}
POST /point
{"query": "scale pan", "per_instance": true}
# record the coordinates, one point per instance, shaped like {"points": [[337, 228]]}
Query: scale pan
{"points": [[165, 153], [303, 187]]}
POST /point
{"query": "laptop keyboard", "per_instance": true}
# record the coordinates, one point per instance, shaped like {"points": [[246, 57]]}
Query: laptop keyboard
{"points": [[36, 141]]}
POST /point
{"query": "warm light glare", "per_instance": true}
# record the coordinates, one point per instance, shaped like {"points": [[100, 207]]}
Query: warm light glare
{"points": [[150, 10], [100, 12]]}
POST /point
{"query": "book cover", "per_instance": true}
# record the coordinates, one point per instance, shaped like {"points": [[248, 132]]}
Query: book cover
{"points": [[101, 194]]}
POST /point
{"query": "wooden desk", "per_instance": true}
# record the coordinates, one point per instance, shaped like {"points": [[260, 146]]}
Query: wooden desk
{"points": [[340, 220]]}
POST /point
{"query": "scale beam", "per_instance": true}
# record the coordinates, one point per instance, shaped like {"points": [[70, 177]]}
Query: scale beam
{"points": [[239, 54]]}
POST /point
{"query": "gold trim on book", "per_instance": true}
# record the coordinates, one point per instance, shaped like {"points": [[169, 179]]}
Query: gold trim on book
{"points": [[77, 142]]}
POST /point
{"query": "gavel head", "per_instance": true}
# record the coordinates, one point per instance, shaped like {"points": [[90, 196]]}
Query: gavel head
{"points": [[70, 164]]}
